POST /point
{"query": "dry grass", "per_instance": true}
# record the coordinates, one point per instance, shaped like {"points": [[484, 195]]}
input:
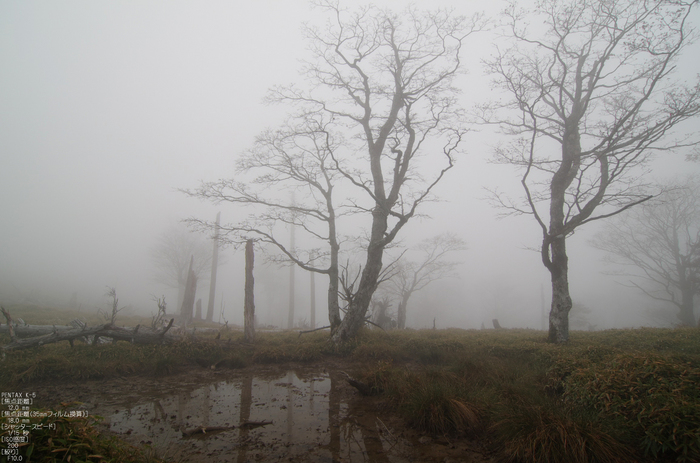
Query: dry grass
{"points": [[619, 395]]}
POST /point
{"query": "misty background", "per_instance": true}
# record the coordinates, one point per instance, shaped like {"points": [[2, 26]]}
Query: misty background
{"points": [[108, 108]]}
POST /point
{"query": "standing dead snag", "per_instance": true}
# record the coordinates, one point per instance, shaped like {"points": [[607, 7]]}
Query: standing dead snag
{"points": [[214, 268], [171, 257], [10, 328], [112, 317], [157, 320], [187, 309], [249, 302]]}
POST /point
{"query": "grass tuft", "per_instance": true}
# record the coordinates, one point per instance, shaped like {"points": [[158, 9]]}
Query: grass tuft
{"points": [[541, 435]]}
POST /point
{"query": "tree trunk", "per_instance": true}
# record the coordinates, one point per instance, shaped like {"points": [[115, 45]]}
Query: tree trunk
{"points": [[198, 310], [188, 299], [401, 311], [333, 284], [555, 242], [561, 299], [333, 290], [134, 336], [180, 293], [292, 268], [357, 309], [312, 300], [687, 310], [29, 331], [214, 267], [249, 302]]}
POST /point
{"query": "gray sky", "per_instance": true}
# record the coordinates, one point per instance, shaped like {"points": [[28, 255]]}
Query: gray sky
{"points": [[107, 107]]}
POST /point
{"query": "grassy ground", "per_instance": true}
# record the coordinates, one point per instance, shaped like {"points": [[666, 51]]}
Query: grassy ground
{"points": [[610, 396]]}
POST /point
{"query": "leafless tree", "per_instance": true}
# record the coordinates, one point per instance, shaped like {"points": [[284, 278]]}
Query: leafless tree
{"points": [[589, 99], [661, 241], [295, 160], [171, 256], [387, 80], [413, 275]]}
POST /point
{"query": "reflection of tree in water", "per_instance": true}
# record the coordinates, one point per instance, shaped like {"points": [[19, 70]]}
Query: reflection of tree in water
{"points": [[246, 400], [290, 408], [334, 415], [348, 429]]}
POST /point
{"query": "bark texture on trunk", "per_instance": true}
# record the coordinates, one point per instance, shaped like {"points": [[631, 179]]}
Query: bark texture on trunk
{"points": [[214, 267], [333, 290], [561, 299], [333, 283], [249, 301], [357, 308]]}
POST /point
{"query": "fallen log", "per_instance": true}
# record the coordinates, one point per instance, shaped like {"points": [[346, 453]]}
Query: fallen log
{"points": [[56, 336], [28, 331], [134, 336]]}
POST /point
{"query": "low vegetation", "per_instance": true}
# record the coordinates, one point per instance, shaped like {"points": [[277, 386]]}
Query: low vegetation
{"points": [[610, 396], [78, 440]]}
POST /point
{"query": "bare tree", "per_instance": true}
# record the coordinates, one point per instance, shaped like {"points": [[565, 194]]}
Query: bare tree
{"points": [[413, 275], [386, 79], [589, 99], [171, 257], [295, 159], [661, 241]]}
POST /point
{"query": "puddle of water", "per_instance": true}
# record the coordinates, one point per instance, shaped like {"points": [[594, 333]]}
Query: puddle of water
{"points": [[311, 422]]}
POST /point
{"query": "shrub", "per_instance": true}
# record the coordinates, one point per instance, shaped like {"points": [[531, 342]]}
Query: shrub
{"points": [[656, 396]]}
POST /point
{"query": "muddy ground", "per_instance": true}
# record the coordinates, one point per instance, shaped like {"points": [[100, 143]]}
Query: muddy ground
{"points": [[295, 413]]}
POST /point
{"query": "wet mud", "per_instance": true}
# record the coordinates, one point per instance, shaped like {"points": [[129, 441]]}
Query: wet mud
{"points": [[282, 413]]}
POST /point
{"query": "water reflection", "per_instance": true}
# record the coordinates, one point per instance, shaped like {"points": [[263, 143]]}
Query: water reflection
{"points": [[310, 422]]}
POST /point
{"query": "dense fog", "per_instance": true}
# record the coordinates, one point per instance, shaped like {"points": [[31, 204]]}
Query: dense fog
{"points": [[109, 109]]}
